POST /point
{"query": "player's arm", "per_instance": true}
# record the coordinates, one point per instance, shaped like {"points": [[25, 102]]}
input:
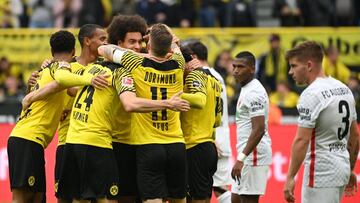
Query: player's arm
{"points": [[195, 89], [353, 144], [257, 132], [197, 100], [132, 103], [298, 152], [353, 148], [39, 94]]}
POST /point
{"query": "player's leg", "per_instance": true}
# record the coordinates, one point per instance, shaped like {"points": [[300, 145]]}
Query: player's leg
{"points": [[251, 185], [26, 169], [249, 198], [222, 180], [100, 175], [68, 187], [125, 156], [176, 172], [202, 163], [58, 162], [151, 160]]}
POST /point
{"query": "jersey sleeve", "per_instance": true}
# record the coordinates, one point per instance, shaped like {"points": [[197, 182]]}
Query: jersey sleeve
{"points": [[309, 108], [123, 81], [195, 82], [129, 60], [256, 103], [179, 58], [55, 66]]}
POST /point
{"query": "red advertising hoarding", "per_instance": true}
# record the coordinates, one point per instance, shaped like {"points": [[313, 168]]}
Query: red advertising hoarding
{"points": [[281, 136]]}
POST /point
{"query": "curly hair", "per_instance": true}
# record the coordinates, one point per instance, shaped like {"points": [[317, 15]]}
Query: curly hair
{"points": [[62, 41], [122, 24]]}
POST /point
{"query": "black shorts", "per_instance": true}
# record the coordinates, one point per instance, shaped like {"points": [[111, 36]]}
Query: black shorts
{"points": [[26, 164], [125, 156], [161, 171], [58, 162], [202, 164], [88, 173]]}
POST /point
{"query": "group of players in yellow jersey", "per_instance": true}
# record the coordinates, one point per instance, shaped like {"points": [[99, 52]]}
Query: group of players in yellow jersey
{"points": [[132, 125]]}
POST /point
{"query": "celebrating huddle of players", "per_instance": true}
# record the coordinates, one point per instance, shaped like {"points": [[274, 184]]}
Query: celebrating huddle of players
{"points": [[138, 125]]}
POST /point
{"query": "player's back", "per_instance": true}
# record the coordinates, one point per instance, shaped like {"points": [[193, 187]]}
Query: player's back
{"points": [[198, 124], [157, 81], [39, 122], [92, 113], [327, 105]]}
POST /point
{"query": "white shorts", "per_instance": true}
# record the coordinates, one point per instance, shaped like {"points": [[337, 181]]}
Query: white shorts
{"points": [[252, 182], [315, 195], [222, 176]]}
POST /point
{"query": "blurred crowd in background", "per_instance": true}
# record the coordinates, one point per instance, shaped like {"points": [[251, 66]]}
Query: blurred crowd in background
{"points": [[271, 70], [177, 13]]}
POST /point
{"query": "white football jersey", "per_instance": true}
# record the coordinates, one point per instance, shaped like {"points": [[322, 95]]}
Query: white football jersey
{"points": [[223, 131], [253, 101], [327, 106]]}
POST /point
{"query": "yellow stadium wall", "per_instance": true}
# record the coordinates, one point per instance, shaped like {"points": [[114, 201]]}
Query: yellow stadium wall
{"points": [[27, 48]]}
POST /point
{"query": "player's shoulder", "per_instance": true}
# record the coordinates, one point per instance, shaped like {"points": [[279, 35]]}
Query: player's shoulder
{"points": [[108, 64]]}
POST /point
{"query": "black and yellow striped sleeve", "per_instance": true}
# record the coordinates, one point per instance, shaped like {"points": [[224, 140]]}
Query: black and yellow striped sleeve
{"points": [[179, 58], [131, 61], [123, 81], [196, 81]]}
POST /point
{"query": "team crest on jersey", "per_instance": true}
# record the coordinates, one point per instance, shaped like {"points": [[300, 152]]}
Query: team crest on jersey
{"points": [[114, 190], [196, 83], [31, 181], [127, 81]]}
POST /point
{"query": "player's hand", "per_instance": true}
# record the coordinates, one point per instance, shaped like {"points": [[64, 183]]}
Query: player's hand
{"points": [[100, 81], [352, 187], [45, 63], [236, 170], [64, 114], [33, 78], [178, 104], [289, 190], [26, 102], [193, 64]]}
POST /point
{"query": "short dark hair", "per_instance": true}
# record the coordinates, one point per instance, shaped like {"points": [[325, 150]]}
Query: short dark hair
{"points": [[87, 30], [200, 50], [62, 41], [161, 39], [122, 24], [305, 51], [186, 52], [248, 56]]}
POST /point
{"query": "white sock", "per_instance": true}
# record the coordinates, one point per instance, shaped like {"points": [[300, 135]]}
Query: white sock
{"points": [[225, 197]]}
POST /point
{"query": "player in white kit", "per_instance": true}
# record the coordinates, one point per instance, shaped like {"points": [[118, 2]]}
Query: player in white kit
{"points": [[222, 176], [327, 134], [253, 141]]}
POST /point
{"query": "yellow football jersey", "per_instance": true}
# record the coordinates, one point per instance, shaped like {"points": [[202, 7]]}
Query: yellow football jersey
{"points": [[122, 119], [91, 120], [198, 124], [68, 103], [156, 81], [39, 122]]}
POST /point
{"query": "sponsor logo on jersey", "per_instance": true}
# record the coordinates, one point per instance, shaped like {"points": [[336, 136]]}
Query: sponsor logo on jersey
{"points": [[127, 81], [196, 83]]}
